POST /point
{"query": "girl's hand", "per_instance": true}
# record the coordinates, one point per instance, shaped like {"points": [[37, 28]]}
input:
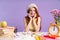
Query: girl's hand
{"points": [[30, 16], [34, 16]]}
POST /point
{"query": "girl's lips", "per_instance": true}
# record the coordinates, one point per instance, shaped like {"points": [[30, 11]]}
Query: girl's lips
{"points": [[32, 16]]}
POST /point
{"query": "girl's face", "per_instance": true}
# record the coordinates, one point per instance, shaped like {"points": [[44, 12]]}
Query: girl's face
{"points": [[32, 12]]}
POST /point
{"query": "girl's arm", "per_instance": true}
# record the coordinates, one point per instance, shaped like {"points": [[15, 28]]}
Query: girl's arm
{"points": [[26, 27], [37, 25]]}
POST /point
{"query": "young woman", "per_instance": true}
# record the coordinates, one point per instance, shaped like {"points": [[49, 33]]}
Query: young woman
{"points": [[32, 22]]}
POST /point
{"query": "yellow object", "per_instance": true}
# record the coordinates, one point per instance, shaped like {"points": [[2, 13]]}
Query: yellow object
{"points": [[54, 25], [39, 38], [3, 24]]}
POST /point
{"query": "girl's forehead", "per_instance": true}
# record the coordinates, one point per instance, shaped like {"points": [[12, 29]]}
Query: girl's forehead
{"points": [[32, 8]]}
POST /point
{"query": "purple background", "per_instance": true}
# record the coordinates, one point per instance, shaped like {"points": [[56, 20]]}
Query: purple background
{"points": [[14, 11]]}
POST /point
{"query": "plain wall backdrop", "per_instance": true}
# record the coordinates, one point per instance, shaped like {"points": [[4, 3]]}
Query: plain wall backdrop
{"points": [[14, 11]]}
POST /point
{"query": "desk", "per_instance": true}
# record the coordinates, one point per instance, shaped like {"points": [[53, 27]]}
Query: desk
{"points": [[27, 36], [20, 36]]}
